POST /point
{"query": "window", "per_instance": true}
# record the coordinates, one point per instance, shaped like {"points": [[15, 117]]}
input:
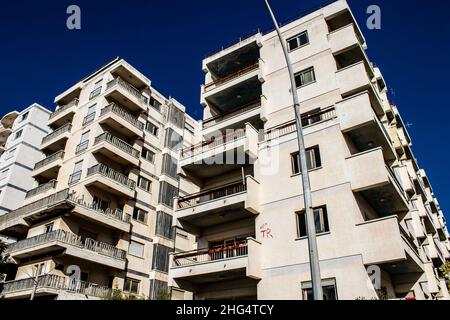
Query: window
{"points": [[298, 41], [160, 260], [131, 286], [152, 128], [18, 134], [320, 221], [84, 142], [304, 77], [155, 103], [172, 140], [313, 160], [140, 215], [24, 116], [170, 166], [4, 174], [164, 226], [189, 127], [10, 154], [144, 184], [49, 228], [101, 204], [90, 115], [39, 269], [311, 117], [148, 155], [97, 89], [166, 193], [136, 249], [76, 176], [328, 287]]}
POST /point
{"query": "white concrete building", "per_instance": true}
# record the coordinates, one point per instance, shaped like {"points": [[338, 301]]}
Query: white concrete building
{"points": [[21, 152], [374, 207], [102, 205]]}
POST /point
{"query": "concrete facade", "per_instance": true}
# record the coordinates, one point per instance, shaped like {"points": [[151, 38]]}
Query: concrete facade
{"points": [[381, 232], [101, 208], [21, 152]]}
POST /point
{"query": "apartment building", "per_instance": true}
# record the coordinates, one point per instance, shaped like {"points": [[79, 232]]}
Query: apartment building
{"points": [[100, 216], [381, 232], [20, 153]]}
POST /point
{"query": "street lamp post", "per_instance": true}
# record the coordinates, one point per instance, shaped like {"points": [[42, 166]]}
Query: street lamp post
{"points": [[310, 225]]}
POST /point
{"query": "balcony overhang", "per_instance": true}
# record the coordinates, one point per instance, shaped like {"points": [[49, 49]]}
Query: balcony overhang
{"points": [[360, 123], [344, 38], [49, 171], [57, 143], [123, 97], [117, 122], [132, 76], [209, 208], [103, 183], [8, 120], [69, 95], [114, 153], [231, 95], [372, 179]]}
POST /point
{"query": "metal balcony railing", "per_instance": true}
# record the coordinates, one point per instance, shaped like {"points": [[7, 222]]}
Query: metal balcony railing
{"points": [[65, 128], [69, 239], [119, 143], [61, 109], [307, 121], [220, 118], [42, 188], [59, 283], [82, 146], [128, 87], [52, 158], [112, 174], [212, 143], [221, 81], [122, 113], [60, 197], [238, 249], [211, 194]]}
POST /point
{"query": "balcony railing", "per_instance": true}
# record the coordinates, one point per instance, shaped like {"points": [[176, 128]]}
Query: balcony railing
{"points": [[232, 76], [65, 128], [212, 143], [220, 118], [119, 143], [82, 147], [132, 90], [70, 239], [60, 197], [307, 121], [61, 109], [211, 194], [122, 113], [52, 158], [41, 189], [239, 249], [59, 283], [112, 174]]}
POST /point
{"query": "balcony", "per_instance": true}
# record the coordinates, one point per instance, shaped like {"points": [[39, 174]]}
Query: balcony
{"points": [[116, 149], [50, 285], [110, 180], [356, 78], [221, 121], [370, 177], [64, 114], [57, 139], [121, 120], [223, 204], [70, 245], [359, 121], [43, 188], [16, 223], [49, 167], [343, 39], [229, 93], [126, 95], [207, 159], [238, 261]]}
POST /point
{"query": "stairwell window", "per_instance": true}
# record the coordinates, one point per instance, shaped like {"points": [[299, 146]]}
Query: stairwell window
{"points": [[298, 41], [144, 184], [136, 249], [313, 160], [97, 89], [148, 155], [18, 134], [320, 221], [131, 286], [77, 170], [328, 288], [305, 77]]}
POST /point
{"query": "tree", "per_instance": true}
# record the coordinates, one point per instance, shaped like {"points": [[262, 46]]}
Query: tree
{"points": [[162, 295], [118, 294], [445, 269], [3, 260]]}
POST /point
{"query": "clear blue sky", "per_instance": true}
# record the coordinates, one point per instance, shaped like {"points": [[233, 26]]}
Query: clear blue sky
{"points": [[166, 40]]}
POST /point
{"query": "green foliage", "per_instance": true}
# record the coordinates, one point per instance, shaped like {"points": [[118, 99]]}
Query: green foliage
{"points": [[162, 295], [445, 269], [118, 294]]}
